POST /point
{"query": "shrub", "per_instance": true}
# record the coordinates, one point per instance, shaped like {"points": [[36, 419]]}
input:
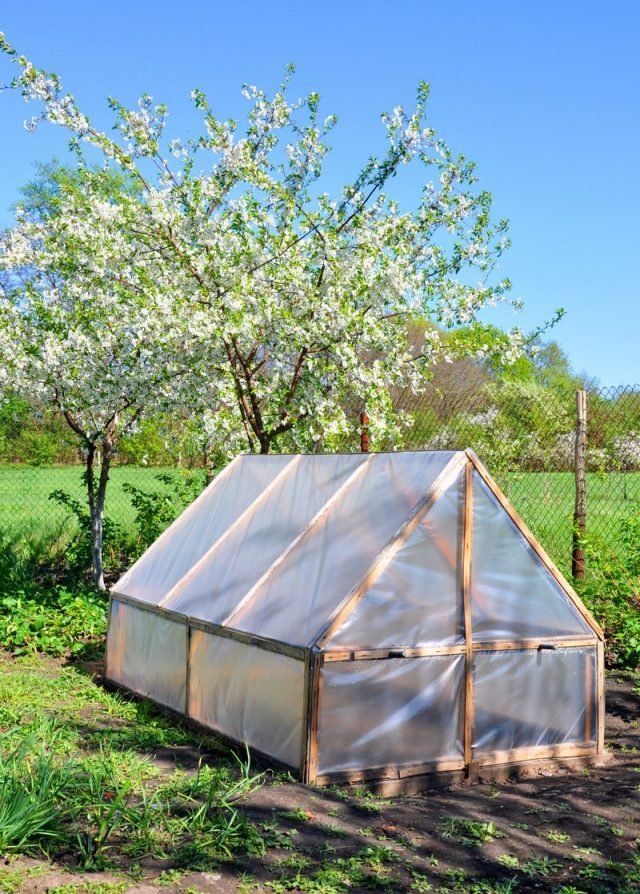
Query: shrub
{"points": [[612, 591]]}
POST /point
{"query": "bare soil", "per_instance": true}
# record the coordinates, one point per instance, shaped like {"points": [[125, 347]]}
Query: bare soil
{"points": [[562, 832]]}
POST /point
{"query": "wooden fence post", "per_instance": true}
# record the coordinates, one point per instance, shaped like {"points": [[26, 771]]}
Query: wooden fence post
{"points": [[580, 514], [364, 433]]}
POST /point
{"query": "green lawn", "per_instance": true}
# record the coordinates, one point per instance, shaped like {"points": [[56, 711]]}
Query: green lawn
{"points": [[544, 499], [25, 506]]}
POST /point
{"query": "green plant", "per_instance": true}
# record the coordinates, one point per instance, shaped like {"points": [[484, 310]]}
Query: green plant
{"points": [[612, 590], [31, 793], [155, 510], [471, 833], [57, 621]]}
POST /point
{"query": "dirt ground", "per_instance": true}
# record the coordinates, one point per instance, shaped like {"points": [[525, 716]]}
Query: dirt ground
{"points": [[565, 834]]}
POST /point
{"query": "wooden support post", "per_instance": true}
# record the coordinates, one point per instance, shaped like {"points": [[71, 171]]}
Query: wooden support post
{"points": [[467, 543], [364, 433], [601, 696], [187, 676], [580, 514], [309, 768]]}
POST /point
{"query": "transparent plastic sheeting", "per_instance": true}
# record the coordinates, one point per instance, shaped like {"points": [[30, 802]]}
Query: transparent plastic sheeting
{"points": [[513, 595], [249, 694], [148, 654], [390, 713], [198, 528], [534, 698], [417, 600], [230, 571], [294, 603]]}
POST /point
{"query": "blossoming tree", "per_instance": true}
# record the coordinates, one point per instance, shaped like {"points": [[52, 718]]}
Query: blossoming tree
{"points": [[291, 304], [104, 357]]}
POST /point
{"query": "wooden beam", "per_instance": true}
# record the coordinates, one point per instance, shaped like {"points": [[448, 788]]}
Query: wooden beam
{"points": [[467, 550], [106, 651], [560, 579], [324, 509], [516, 755], [441, 483], [560, 642], [310, 768], [563, 643], [187, 677], [409, 652], [400, 771]]}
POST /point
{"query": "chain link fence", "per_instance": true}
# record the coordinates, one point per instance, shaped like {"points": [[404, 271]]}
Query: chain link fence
{"points": [[524, 432]]}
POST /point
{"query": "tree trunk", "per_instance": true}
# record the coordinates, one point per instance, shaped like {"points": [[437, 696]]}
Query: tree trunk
{"points": [[96, 509]]}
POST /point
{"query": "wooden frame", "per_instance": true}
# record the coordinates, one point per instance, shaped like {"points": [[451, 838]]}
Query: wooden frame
{"points": [[252, 639], [315, 656], [467, 544]]}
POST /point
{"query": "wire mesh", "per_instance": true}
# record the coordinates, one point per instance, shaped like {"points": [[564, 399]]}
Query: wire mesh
{"points": [[524, 433]]}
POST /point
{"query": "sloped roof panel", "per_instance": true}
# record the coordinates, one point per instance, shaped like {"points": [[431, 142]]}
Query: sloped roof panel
{"points": [[417, 600], [294, 602], [228, 573], [197, 529]]}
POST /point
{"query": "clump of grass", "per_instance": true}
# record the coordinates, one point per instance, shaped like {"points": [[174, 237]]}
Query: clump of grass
{"points": [[32, 789]]}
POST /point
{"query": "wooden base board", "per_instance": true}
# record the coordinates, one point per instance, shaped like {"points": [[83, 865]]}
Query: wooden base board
{"points": [[502, 773]]}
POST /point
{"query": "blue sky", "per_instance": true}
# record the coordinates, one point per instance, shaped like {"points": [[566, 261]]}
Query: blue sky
{"points": [[542, 96]]}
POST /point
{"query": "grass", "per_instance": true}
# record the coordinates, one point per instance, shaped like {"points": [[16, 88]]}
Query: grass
{"points": [[25, 506], [75, 780], [545, 500]]}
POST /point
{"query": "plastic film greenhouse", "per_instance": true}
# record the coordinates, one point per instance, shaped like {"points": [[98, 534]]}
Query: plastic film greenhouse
{"points": [[363, 616]]}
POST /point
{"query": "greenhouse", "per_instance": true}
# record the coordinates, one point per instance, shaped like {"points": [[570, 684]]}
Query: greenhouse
{"points": [[362, 616]]}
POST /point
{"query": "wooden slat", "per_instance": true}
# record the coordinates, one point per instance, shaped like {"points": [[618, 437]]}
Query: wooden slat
{"points": [[410, 652], [351, 777], [324, 509], [239, 521], [441, 483], [542, 752], [467, 548], [304, 749], [577, 642], [535, 544], [106, 651], [601, 697], [187, 685], [560, 642]]}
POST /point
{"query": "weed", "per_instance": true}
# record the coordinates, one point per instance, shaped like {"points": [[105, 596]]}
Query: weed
{"points": [[470, 833], [555, 835], [297, 815], [509, 861], [542, 867]]}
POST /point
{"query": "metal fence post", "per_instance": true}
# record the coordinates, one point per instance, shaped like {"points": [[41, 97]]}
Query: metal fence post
{"points": [[580, 513]]}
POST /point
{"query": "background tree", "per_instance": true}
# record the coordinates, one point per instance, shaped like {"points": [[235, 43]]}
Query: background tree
{"points": [[70, 338], [294, 302]]}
